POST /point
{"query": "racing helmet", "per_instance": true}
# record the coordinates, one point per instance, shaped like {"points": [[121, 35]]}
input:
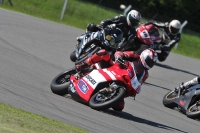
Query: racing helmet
{"points": [[115, 38], [133, 18], [174, 27], [148, 58]]}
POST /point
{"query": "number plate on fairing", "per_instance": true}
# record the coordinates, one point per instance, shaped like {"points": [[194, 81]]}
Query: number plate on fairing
{"points": [[135, 83], [144, 34]]}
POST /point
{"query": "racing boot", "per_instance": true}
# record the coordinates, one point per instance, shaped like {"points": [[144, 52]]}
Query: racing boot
{"points": [[97, 57], [81, 66]]}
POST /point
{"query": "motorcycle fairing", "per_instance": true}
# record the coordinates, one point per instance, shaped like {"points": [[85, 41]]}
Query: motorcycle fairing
{"points": [[135, 83], [184, 100], [143, 35], [85, 39], [148, 34], [87, 84]]}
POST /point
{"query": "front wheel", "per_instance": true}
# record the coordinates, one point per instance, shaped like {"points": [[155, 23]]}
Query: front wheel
{"points": [[193, 111], [73, 56], [101, 102], [60, 83], [168, 99]]}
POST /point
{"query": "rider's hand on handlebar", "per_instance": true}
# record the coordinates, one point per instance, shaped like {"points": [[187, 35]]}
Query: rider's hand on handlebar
{"points": [[121, 62], [166, 24]]}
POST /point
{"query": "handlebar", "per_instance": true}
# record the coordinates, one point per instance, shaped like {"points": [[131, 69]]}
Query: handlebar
{"points": [[121, 63]]}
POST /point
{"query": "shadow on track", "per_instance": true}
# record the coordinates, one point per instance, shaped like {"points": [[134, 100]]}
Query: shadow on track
{"points": [[128, 116], [149, 84], [175, 69]]}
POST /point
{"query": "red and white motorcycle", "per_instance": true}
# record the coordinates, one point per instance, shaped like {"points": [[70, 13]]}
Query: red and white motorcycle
{"points": [[99, 88], [146, 34]]}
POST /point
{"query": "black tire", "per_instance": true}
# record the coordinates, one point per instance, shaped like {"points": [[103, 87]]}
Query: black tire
{"points": [[73, 56], [193, 111], [109, 102], [60, 83], [168, 99]]}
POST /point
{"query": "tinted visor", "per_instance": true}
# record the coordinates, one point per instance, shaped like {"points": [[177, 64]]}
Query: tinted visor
{"points": [[149, 62], [133, 21], [174, 30]]}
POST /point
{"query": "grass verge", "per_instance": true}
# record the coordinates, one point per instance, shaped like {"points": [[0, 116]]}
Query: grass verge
{"points": [[79, 13], [18, 121]]}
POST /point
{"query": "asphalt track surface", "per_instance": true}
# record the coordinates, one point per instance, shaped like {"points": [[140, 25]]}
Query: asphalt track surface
{"points": [[33, 51]]}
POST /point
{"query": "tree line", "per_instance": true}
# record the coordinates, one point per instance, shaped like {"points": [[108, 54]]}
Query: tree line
{"points": [[161, 10]]}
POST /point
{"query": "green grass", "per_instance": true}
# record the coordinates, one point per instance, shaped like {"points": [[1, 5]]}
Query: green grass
{"points": [[78, 14], [189, 45], [14, 120]]}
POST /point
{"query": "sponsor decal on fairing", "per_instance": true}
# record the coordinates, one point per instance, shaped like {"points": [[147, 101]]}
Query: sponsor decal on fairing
{"points": [[90, 79], [134, 81], [182, 103], [72, 88], [94, 78], [82, 86], [144, 34]]}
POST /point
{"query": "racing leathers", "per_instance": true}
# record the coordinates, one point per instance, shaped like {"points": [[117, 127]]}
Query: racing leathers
{"points": [[102, 55], [119, 21], [185, 85]]}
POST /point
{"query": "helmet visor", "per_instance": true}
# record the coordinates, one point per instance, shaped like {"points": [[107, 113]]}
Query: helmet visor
{"points": [[134, 22], [174, 30], [150, 62]]}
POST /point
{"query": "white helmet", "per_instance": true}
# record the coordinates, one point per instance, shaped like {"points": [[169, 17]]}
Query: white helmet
{"points": [[133, 18], [148, 58], [174, 27]]}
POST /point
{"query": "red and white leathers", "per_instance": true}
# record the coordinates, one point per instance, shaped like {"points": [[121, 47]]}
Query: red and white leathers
{"points": [[138, 67]]}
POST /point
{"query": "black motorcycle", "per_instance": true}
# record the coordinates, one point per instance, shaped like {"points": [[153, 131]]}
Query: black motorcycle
{"points": [[187, 101], [87, 46]]}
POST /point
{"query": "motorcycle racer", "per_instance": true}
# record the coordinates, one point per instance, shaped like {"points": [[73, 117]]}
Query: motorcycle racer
{"points": [[126, 23], [141, 63], [185, 85], [109, 38], [174, 36]]}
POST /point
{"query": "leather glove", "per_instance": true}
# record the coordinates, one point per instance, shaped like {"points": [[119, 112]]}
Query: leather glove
{"points": [[166, 24]]}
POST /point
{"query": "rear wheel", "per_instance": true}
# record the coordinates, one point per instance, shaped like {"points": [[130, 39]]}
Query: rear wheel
{"points": [[60, 83], [101, 101], [194, 110], [168, 99]]}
